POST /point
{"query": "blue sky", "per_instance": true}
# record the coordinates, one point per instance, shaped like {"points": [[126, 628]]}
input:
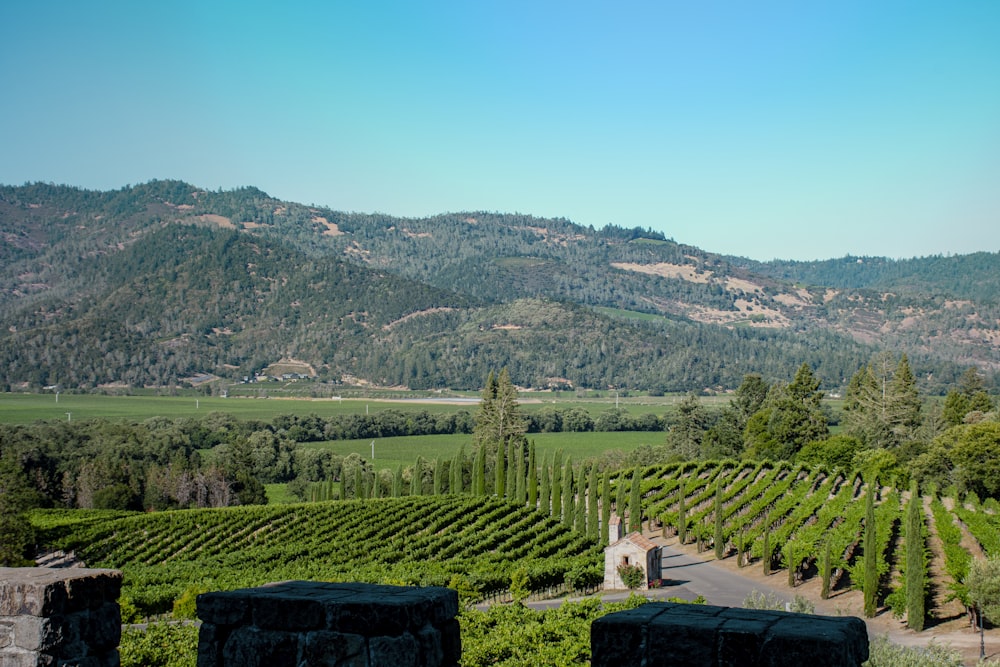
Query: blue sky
{"points": [[795, 130]]}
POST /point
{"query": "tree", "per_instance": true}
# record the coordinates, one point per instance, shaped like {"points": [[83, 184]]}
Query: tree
{"points": [[545, 490], [16, 497], [983, 582], [479, 471], [499, 420], [870, 584], [605, 507], [718, 539], [687, 431], [791, 417], [569, 507], [593, 517], [882, 405], [555, 510], [915, 560], [635, 503], [532, 477]]}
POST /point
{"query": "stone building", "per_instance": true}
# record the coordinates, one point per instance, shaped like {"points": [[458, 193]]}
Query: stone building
{"points": [[633, 549]]}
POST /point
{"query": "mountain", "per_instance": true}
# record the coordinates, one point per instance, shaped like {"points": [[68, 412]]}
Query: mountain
{"points": [[157, 283]]}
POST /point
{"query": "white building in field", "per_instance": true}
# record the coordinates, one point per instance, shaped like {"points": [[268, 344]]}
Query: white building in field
{"points": [[633, 549]]}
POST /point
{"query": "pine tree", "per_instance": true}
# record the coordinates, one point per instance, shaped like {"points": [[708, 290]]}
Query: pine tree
{"points": [[870, 586], [915, 561], [532, 477], [593, 517], [718, 539], [635, 503]]}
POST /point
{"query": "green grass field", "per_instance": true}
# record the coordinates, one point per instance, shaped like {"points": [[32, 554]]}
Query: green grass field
{"points": [[404, 450], [18, 408]]}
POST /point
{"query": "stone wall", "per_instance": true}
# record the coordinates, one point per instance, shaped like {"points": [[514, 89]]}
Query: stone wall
{"points": [[314, 623], [59, 617], [663, 633]]}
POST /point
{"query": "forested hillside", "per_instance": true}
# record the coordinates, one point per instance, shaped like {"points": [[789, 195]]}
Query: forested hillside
{"points": [[159, 283]]}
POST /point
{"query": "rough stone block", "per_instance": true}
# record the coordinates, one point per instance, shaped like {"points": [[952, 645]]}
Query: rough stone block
{"points": [[675, 634], [618, 637], [253, 647], [334, 649], [401, 651], [39, 591]]}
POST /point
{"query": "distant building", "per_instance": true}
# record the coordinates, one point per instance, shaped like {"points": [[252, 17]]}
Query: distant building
{"points": [[633, 549]]}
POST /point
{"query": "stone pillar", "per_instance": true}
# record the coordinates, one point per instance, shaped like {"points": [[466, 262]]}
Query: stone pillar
{"points": [[59, 617], [314, 623], [663, 633]]}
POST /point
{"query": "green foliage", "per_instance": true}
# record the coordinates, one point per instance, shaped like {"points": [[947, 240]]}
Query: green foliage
{"points": [[631, 575], [185, 606], [635, 503], [883, 653], [516, 636], [159, 645], [983, 582], [416, 540]]}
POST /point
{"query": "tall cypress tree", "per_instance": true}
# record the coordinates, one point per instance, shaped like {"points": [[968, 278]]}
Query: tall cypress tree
{"points": [[479, 472], [544, 493], [682, 521], [438, 483], [397, 482], [870, 586], [359, 492], [766, 550], [915, 560], [580, 523], [568, 508], [557, 474], [416, 479], [500, 471], [458, 472], [532, 477], [343, 484], [826, 569], [606, 508], [718, 539], [519, 481], [593, 517], [621, 493], [635, 502]]}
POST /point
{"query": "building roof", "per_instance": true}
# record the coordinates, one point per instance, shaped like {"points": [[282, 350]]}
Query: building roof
{"points": [[638, 540]]}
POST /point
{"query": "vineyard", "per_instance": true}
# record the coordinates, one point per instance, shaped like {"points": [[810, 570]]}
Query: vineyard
{"points": [[810, 522], [473, 544]]}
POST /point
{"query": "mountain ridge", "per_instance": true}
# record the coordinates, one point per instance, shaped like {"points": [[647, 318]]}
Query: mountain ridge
{"points": [[101, 263]]}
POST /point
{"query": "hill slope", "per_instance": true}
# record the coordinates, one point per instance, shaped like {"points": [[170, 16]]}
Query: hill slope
{"points": [[159, 282]]}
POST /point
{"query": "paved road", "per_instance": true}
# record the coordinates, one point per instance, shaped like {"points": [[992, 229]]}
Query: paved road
{"points": [[688, 577]]}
